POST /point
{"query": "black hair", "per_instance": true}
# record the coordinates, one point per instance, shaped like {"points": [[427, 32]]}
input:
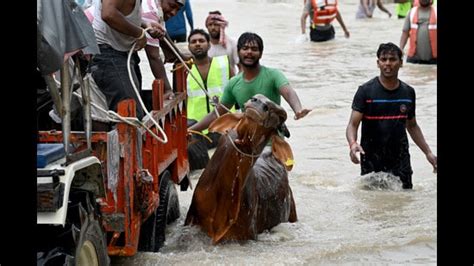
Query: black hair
{"points": [[389, 47], [216, 12], [199, 31], [249, 37]]}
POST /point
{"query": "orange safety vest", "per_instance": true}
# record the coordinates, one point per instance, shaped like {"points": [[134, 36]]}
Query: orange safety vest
{"points": [[432, 28], [324, 14]]}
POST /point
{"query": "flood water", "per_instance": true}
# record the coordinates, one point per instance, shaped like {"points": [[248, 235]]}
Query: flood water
{"points": [[342, 218]]}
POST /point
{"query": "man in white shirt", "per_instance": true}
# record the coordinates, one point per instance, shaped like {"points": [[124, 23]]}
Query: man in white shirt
{"points": [[221, 44]]}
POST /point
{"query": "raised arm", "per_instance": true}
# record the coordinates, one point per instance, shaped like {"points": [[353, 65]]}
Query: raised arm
{"points": [[290, 96]]}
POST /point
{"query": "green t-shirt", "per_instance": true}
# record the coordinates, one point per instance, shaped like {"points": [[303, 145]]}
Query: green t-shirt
{"points": [[268, 82]]}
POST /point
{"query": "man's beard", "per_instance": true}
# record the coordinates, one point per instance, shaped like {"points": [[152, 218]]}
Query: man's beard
{"points": [[200, 55], [254, 64], [216, 35], [425, 5]]}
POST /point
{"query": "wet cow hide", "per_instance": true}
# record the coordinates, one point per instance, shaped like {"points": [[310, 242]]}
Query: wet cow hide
{"points": [[244, 191]]}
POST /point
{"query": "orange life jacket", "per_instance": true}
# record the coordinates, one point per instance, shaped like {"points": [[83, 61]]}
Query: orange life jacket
{"points": [[432, 28], [324, 14]]}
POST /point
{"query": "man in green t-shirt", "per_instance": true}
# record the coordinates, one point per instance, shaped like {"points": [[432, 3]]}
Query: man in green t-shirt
{"points": [[254, 79]]}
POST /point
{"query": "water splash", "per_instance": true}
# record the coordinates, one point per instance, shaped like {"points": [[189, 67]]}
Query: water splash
{"points": [[380, 181]]}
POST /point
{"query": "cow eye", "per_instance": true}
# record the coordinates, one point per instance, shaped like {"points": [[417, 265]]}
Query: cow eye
{"points": [[265, 108], [253, 99]]}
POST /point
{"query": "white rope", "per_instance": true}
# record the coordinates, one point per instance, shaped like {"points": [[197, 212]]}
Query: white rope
{"points": [[115, 117], [165, 138], [133, 121], [214, 102]]}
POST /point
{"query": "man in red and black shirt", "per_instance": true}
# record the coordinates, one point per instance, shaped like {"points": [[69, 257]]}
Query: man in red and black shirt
{"points": [[386, 107]]}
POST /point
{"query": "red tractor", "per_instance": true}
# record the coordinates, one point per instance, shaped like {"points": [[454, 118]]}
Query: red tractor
{"points": [[111, 192]]}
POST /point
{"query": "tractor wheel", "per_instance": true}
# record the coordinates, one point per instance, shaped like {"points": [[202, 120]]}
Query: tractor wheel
{"points": [[152, 232], [91, 249], [172, 212]]}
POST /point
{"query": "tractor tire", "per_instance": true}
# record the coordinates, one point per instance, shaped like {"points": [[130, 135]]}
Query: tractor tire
{"points": [[91, 248], [173, 212], [81, 241], [198, 156], [152, 232]]}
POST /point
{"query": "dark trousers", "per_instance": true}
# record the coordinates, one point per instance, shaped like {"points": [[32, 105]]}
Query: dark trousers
{"points": [[318, 35], [109, 70], [433, 61], [397, 165]]}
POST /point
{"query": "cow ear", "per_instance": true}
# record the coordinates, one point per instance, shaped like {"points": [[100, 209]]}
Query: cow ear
{"points": [[282, 152], [225, 122]]}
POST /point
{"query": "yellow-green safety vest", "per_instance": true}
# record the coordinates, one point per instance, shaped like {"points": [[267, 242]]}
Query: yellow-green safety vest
{"points": [[217, 78], [402, 9]]}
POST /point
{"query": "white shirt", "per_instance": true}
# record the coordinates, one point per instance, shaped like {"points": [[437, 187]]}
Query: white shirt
{"points": [[230, 51]]}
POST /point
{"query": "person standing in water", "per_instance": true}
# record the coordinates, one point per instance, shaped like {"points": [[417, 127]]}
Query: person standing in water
{"points": [[420, 29], [386, 107], [322, 13], [367, 7]]}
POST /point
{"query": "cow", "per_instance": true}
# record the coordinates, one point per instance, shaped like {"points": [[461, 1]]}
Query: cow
{"points": [[244, 188]]}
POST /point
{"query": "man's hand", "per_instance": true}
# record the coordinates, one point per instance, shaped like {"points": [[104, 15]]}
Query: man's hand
{"points": [[302, 113], [433, 161], [368, 13], [355, 148], [347, 34], [156, 30], [302, 38]]}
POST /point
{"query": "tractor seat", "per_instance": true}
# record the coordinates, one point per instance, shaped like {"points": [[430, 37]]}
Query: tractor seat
{"points": [[48, 152]]}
